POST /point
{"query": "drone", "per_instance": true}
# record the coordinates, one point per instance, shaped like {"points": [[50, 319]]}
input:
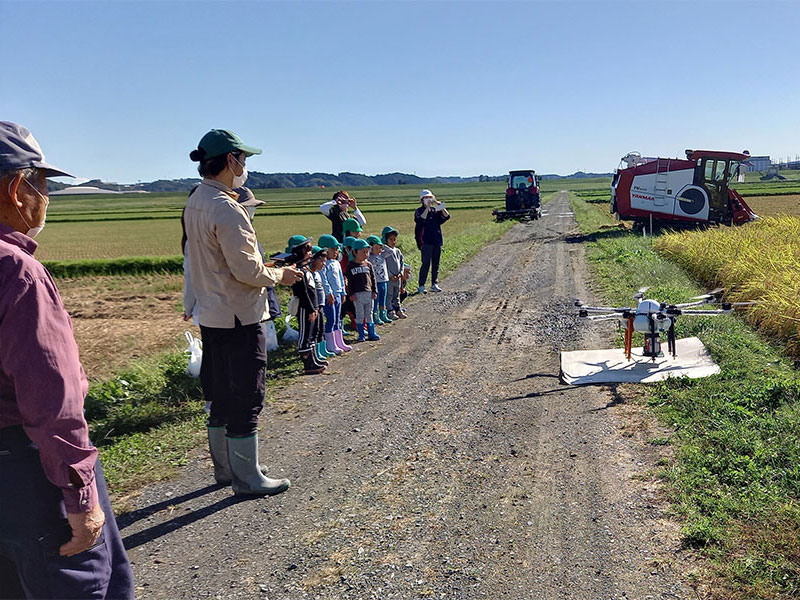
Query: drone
{"points": [[653, 318]]}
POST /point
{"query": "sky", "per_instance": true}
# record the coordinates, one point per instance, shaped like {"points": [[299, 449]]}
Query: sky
{"points": [[123, 91]]}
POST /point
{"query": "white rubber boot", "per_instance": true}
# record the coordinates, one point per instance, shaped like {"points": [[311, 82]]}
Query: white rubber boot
{"points": [[247, 477]]}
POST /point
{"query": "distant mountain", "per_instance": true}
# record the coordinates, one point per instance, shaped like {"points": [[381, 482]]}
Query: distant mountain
{"points": [[343, 180]]}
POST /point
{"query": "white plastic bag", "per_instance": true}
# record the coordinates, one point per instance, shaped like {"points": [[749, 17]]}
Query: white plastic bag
{"points": [[291, 334], [195, 352], [272, 337]]}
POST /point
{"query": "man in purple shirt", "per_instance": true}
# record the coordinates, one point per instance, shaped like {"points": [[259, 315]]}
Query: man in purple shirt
{"points": [[58, 537]]}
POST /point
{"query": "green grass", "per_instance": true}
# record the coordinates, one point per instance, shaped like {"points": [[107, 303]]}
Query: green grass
{"points": [[735, 478]]}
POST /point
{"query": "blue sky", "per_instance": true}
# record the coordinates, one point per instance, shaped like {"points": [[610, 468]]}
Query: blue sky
{"points": [[124, 90]]}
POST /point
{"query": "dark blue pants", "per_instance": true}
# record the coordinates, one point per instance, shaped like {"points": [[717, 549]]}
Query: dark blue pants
{"points": [[233, 376], [33, 525], [430, 259]]}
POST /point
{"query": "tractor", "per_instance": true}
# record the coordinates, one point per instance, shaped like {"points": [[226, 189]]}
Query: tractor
{"points": [[522, 197]]}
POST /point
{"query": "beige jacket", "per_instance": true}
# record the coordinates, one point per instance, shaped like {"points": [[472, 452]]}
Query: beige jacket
{"points": [[229, 277]]}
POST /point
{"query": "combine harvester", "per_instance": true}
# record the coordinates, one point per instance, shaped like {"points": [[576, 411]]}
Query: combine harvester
{"points": [[672, 190]]}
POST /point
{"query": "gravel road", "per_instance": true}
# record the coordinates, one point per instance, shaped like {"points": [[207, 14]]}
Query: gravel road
{"points": [[446, 461]]}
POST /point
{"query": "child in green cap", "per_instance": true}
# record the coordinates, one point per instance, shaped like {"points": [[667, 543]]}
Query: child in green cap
{"points": [[394, 269], [379, 314], [319, 257], [362, 289], [299, 247]]}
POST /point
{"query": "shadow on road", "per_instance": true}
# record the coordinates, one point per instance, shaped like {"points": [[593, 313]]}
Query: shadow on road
{"points": [[130, 518], [537, 375], [558, 390], [147, 535]]}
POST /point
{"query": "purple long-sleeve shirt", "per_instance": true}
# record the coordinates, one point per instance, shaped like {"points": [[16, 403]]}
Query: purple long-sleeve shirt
{"points": [[42, 383]]}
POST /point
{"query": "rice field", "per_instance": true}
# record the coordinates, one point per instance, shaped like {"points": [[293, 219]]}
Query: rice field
{"points": [[109, 227], [759, 261]]}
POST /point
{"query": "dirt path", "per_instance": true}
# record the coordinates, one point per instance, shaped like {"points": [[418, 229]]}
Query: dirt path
{"points": [[446, 461]]}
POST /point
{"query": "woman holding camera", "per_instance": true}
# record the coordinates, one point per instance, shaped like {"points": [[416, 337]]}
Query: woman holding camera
{"points": [[428, 233]]}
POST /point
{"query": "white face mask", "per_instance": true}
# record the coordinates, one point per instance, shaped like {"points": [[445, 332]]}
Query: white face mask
{"points": [[32, 231], [238, 180]]}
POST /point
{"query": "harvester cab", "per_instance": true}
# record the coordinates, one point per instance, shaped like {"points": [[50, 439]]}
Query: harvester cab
{"points": [[522, 197], [694, 190]]}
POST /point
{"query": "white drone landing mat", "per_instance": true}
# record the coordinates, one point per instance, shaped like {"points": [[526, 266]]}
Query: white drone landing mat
{"points": [[584, 367]]}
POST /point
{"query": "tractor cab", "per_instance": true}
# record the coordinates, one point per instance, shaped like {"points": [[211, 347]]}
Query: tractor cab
{"points": [[714, 172]]}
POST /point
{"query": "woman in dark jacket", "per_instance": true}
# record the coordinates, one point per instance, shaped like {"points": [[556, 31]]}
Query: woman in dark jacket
{"points": [[428, 232]]}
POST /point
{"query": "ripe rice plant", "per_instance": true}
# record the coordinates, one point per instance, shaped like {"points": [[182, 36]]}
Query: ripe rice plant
{"points": [[760, 261]]}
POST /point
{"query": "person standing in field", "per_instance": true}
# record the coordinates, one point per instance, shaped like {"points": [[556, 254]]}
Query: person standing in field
{"points": [[58, 536], [230, 281], [338, 211], [428, 232]]}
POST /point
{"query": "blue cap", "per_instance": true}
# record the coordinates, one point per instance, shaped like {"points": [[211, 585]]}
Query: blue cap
{"points": [[20, 150]]}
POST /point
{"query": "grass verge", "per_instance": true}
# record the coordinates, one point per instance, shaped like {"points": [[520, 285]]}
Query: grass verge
{"points": [[735, 478]]}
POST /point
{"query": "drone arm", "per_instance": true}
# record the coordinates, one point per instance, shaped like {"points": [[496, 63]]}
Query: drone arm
{"points": [[602, 317], [707, 313], [603, 309]]}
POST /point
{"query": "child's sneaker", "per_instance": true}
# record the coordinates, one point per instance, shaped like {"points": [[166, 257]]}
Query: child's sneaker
{"points": [[435, 288], [392, 315], [400, 314], [421, 289]]}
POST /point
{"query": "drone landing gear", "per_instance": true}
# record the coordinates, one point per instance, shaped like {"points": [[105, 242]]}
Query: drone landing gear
{"points": [[628, 338]]}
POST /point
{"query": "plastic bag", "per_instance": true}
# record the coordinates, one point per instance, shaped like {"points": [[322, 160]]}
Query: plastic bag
{"points": [[272, 337], [195, 352], [291, 334]]}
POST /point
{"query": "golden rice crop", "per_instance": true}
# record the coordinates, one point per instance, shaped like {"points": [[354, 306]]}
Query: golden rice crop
{"points": [[759, 261]]}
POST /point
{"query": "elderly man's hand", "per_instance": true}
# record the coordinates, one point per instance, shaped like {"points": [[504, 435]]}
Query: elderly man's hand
{"points": [[291, 276], [86, 528]]}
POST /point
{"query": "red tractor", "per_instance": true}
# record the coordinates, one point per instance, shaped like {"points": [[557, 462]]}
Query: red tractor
{"points": [[695, 190], [522, 197]]}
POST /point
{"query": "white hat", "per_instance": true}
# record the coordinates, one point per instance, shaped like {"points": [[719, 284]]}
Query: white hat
{"points": [[426, 194]]}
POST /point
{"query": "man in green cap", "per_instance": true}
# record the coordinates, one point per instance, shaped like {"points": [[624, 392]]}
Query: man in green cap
{"points": [[230, 281]]}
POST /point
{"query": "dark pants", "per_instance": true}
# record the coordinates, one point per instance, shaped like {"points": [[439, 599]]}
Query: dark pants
{"points": [[430, 259], [233, 376], [33, 525], [310, 331]]}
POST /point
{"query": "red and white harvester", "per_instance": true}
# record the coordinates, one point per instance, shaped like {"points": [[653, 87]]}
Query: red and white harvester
{"points": [[695, 190]]}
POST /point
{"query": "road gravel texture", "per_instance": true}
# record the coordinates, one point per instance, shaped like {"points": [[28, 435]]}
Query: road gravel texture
{"points": [[445, 461]]}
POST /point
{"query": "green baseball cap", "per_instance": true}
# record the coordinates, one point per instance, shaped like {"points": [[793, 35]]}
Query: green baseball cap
{"points": [[328, 241], [221, 141], [348, 241], [373, 239], [317, 252], [386, 231], [295, 241], [359, 244], [351, 225]]}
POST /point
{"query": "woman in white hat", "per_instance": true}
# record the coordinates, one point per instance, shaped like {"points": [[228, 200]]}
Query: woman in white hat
{"points": [[428, 233]]}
